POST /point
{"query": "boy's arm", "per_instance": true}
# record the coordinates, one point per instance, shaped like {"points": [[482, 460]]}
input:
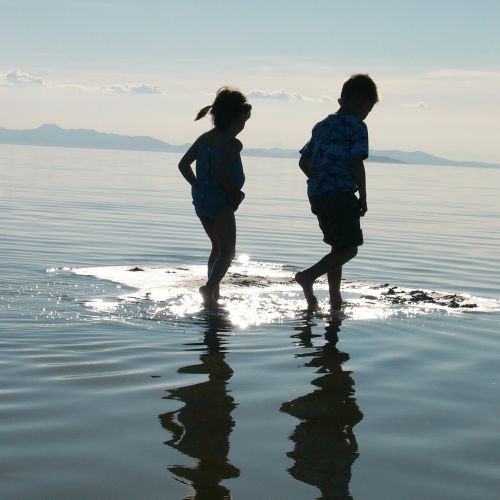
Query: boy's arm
{"points": [[185, 164], [230, 153], [305, 166], [358, 171]]}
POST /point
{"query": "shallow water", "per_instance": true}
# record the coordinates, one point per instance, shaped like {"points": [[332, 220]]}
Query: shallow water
{"points": [[115, 385]]}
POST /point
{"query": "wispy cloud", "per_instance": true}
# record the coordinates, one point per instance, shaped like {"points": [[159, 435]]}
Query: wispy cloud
{"points": [[20, 79], [283, 95], [465, 74], [416, 105], [136, 88], [17, 78], [275, 95]]}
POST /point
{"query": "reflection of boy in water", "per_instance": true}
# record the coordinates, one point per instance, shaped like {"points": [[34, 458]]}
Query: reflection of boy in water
{"points": [[325, 445], [201, 428]]}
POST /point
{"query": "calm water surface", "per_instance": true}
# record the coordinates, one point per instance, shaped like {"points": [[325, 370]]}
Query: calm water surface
{"points": [[106, 394]]}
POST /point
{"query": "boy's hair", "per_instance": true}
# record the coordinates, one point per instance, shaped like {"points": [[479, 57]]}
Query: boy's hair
{"points": [[358, 88], [229, 104]]}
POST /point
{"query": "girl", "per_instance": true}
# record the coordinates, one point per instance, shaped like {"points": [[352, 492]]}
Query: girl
{"points": [[216, 187]]}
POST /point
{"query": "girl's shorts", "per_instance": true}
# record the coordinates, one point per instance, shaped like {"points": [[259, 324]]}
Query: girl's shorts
{"points": [[210, 201]]}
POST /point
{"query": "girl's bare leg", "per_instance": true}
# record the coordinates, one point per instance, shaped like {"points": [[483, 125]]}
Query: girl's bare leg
{"points": [[224, 232], [209, 227]]}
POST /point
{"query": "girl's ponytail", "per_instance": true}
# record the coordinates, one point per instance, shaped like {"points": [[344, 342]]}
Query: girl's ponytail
{"points": [[203, 112], [229, 104]]}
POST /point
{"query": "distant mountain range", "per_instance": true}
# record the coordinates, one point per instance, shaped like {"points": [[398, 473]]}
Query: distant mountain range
{"points": [[52, 135]]}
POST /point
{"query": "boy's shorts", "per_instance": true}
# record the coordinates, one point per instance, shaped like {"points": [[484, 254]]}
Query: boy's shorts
{"points": [[338, 217]]}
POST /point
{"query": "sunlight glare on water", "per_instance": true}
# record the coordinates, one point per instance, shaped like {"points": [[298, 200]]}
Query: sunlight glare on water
{"points": [[256, 293]]}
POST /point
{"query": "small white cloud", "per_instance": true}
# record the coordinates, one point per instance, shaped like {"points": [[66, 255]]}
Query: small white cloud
{"points": [[283, 95], [276, 95], [416, 105], [16, 77], [136, 88], [20, 79], [145, 88], [327, 98], [76, 86], [464, 74]]}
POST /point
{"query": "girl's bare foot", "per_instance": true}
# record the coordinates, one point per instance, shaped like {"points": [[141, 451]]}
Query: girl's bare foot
{"points": [[307, 287], [208, 300]]}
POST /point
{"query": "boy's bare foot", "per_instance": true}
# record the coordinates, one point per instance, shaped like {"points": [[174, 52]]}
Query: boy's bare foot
{"points": [[208, 300], [307, 287], [336, 301]]}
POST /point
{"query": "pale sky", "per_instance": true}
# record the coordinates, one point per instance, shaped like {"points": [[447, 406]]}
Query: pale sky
{"points": [[146, 67]]}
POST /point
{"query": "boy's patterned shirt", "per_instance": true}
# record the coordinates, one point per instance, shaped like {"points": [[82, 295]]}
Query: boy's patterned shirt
{"points": [[334, 142]]}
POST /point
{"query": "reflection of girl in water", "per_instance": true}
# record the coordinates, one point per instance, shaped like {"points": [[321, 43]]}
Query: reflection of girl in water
{"points": [[216, 187], [325, 445], [201, 428]]}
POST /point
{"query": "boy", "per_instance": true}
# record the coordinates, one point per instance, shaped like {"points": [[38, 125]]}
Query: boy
{"points": [[333, 163]]}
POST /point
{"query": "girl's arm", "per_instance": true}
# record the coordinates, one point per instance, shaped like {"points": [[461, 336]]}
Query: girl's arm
{"points": [[230, 152], [185, 164]]}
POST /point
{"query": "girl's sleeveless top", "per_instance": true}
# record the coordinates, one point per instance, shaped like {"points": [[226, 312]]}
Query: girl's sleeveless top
{"points": [[209, 197]]}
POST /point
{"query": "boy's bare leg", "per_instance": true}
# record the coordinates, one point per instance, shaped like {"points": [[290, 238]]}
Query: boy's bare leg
{"points": [[307, 287], [328, 263], [334, 279]]}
